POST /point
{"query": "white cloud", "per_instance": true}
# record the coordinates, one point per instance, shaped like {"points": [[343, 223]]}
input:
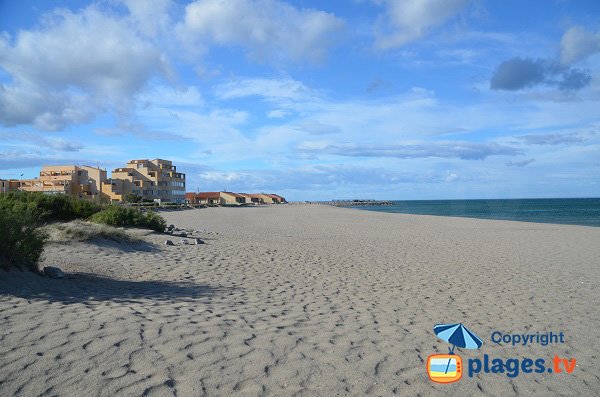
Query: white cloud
{"points": [[151, 17], [314, 127], [273, 89], [27, 104], [578, 44], [165, 96], [25, 139], [269, 29], [408, 20], [277, 114], [424, 149], [72, 64]]}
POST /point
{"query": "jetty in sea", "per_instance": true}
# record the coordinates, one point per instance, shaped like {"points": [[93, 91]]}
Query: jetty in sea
{"points": [[356, 203]]}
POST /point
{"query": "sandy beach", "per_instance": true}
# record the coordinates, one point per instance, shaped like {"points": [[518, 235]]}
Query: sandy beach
{"points": [[301, 301]]}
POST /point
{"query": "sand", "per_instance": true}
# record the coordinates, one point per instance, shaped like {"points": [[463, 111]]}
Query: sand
{"points": [[301, 301]]}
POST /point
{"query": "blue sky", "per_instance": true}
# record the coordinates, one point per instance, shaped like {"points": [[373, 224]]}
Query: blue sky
{"points": [[415, 99]]}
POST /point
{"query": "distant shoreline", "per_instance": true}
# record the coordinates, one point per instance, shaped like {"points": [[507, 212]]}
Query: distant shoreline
{"points": [[570, 211]]}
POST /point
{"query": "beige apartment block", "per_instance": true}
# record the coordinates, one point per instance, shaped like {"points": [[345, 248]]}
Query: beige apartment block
{"points": [[9, 185], [152, 180], [80, 181]]}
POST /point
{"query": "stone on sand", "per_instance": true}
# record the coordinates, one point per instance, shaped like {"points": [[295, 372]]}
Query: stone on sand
{"points": [[53, 272]]}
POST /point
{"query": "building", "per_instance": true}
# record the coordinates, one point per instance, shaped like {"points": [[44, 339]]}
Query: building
{"points": [[9, 185], [252, 198], [270, 198], [152, 180], [96, 176], [215, 198], [230, 198], [191, 198], [80, 181], [275, 198]]}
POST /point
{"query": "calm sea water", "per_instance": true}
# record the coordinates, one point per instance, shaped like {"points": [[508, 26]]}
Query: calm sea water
{"points": [[567, 211]]}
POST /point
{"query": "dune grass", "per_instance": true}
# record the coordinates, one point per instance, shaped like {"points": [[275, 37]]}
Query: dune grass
{"points": [[121, 216], [79, 230], [24, 214]]}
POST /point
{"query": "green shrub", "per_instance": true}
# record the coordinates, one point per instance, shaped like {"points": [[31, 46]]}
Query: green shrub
{"points": [[49, 207], [155, 221], [121, 216], [132, 198], [22, 242]]}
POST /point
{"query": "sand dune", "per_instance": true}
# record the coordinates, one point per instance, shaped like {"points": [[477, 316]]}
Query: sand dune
{"points": [[301, 301]]}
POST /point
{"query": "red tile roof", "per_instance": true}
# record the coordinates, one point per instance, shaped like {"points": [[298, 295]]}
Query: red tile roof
{"points": [[235, 194], [208, 195]]}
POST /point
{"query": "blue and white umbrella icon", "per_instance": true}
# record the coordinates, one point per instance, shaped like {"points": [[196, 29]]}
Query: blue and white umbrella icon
{"points": [[458, 336]]}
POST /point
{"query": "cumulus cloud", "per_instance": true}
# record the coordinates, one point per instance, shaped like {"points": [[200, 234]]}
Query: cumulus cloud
{"points": [[408, 20], [578, 44], [150, 17], [520, 163], [441, 149], [270, 30], [73, 65], [519, 73], [24, 103]]}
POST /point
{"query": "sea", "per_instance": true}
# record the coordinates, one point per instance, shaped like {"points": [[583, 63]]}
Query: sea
{"points": [[570, 211]]}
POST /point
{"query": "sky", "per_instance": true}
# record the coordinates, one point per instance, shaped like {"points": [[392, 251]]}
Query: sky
{"points": [[312, 100]]}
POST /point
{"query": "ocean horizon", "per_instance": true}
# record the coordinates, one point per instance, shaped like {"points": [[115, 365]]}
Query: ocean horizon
{"points": [[569, 211]]}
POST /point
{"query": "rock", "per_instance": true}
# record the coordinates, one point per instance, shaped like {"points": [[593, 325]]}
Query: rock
{"points": [[197, 241], [184, 241], [168, 242], [54, 272]]}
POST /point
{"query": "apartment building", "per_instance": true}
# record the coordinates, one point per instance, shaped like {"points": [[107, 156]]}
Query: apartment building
{"points": [[9, 185], [152, 180], [81, 181]]}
